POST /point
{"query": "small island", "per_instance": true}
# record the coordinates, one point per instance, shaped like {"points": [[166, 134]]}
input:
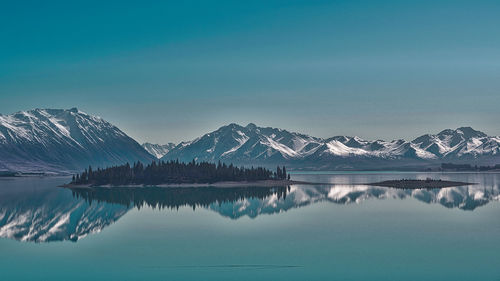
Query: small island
{"points": [[419, 184], [178, 174]]}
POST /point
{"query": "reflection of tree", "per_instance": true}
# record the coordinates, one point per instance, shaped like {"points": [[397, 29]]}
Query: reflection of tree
{"points": [[173, 198]]}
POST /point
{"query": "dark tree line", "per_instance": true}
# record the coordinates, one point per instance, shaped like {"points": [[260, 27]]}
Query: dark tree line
{"points": [[175, 172], [468, 167]]}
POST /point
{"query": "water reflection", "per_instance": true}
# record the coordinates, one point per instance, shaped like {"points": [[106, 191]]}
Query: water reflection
{"points": [[237, 202], [464, 198], [174, 198], [30, 211]]}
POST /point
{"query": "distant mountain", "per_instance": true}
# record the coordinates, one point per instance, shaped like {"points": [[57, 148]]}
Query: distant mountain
{"points": [[246, 145], [158, 150], [63, 140], [461, 144], [252, 145], [57, 140]]}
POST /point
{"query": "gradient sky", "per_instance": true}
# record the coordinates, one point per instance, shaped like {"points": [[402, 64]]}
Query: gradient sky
{"points": [[174, 70]]}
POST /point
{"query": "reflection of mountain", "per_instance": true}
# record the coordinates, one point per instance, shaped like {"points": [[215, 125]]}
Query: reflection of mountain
{"points": [[465, 198], [462, 197], [238, 202], [51, 214]]}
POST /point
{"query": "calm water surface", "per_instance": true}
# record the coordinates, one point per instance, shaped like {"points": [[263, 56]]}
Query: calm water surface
{"points": [[344, 232]]}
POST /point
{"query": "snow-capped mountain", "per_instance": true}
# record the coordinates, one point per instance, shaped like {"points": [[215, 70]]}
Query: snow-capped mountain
{"points": [[270, 146], [63, 140], [464, 143], [68, 140], [235, 143], [158, 150]]}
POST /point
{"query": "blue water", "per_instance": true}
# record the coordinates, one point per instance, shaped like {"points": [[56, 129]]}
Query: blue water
{"points": [[344, 232]]}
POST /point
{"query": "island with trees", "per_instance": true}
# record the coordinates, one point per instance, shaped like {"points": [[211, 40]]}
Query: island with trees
{"points": [[175, 173], [419, 184]]}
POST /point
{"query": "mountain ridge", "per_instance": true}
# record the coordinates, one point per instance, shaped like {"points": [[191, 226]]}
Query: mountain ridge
{"points": [[252, 145]]}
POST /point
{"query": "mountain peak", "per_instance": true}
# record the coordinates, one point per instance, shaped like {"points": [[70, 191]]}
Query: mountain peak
{"points": [[469, 132], [251, 126], [466, 132], [233, 125], [50, 111]]}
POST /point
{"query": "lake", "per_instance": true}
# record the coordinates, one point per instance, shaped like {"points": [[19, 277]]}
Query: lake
{"points": [[348, 231]]}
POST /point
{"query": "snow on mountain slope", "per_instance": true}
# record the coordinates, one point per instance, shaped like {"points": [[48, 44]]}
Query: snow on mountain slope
{"points": [[463, 142], [63, 140], [257, 145], [241, 144], [158, 150]]}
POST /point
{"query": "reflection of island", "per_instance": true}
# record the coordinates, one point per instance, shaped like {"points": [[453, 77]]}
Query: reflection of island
{"points": [[173, 198]]}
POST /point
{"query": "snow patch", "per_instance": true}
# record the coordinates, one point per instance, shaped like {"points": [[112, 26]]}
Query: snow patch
{"points": [[241, 141]]}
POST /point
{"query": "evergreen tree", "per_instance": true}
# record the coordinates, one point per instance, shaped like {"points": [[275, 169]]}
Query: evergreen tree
{"points": [[90, 173], [172, 172]]}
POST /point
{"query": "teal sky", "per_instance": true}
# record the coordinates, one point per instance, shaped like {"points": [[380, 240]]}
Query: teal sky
{"points": [[171, 71]]}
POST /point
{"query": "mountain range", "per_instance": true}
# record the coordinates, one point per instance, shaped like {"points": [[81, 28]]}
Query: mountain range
{"points": [[58, 140], [252, 145]]}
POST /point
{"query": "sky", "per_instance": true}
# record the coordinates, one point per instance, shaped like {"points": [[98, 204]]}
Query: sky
{"points": [[168, 71]]}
